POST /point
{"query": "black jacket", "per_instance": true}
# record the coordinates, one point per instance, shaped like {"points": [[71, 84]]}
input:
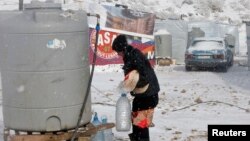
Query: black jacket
{"points": [[135, 60]]}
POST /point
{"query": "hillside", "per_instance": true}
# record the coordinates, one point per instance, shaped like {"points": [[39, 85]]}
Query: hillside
{"points": [[220, 10], [233, 11], [223, 11]]}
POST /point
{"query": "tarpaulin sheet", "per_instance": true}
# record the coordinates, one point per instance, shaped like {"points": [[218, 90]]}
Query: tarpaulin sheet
{"points": [[122, 19], [130, 20], [137, 26], [105, 54]]}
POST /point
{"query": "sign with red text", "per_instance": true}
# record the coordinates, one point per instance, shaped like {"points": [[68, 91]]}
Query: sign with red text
{"points": [[105, 54]]}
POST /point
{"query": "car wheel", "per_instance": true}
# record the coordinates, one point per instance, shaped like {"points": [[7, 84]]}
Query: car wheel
{"points": [[224, 68], [231, 62], [188, 68]]}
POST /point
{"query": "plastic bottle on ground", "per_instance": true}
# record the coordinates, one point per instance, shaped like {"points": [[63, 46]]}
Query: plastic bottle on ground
{"points": [[108, 134], [99, 136]]}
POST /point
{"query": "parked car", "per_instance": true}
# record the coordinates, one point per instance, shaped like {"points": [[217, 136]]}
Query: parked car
{"points": [[209, 52]]}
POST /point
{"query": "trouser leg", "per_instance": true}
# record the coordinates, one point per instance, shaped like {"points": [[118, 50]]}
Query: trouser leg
{"points": [[140, 134], [141, 121], [132, 137]]}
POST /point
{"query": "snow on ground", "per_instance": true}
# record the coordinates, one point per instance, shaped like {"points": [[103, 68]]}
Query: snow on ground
{"points": [[189, 101]]}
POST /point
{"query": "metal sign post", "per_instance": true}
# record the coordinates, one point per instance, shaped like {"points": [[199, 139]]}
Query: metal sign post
{"points": [[248, 42], [20, 5]]}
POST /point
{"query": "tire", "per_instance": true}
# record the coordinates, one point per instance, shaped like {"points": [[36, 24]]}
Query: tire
{"points": [[231, 62], [224, 68], [188, 68]]}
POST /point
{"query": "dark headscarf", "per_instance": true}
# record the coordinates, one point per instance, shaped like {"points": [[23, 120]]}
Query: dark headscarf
{"points": [[120, 43]]}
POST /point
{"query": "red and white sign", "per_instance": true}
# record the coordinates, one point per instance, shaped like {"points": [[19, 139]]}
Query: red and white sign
{"points": [[105, 54], [104, 45]]}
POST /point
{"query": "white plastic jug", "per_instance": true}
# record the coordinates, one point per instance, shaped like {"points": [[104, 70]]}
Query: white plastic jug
{"points": [[123, 114]]}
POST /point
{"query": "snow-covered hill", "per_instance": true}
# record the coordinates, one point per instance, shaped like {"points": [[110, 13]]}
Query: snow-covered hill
{"points": [[223, 11], [220, 10], [233, 11]]}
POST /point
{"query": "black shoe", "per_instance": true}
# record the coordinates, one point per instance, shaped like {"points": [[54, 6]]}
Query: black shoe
{"points": [[132, 137], [144, 139]]}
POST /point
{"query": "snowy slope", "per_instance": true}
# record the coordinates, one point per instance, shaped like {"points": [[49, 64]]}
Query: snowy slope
{"points": [[221, 10]]}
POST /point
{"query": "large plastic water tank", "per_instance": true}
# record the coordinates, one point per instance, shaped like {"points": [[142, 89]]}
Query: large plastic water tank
{"points": [[44, 66], [196, 32], [163, 41]]}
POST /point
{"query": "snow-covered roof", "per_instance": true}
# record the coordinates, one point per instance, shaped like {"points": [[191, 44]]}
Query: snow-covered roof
{"points": [[161, 32], [209, 38]]}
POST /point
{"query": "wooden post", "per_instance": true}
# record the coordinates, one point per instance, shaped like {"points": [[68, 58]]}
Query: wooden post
{"points": [[6, 133], [20, 5]]}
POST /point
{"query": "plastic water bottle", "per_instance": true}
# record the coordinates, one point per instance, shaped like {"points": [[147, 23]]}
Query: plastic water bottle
{"points": [[99, 135], [123, 114], [108, 135]]}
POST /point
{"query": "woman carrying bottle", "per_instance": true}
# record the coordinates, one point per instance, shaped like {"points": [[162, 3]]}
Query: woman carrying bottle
{"points": [[141, 81]]}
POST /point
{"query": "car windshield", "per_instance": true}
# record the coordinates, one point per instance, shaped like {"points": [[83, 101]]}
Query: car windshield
{"points": [[207, 45]]}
